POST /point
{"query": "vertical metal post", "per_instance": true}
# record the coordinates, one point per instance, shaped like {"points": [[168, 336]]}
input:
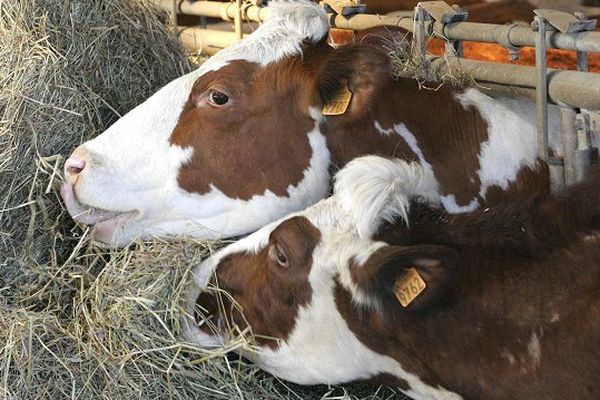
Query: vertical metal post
{"points": [[557, 175], [541, 89], [583, 153], [454, 48], [582, 56], [582, 61], [419, 32], [175, 10], [569, 141], [237, 21]]}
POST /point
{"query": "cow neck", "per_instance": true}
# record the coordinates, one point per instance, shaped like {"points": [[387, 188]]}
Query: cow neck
{"points": [[505, 322], [415, 124]]}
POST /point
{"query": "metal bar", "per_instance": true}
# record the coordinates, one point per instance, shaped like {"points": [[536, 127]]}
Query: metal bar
{"points": [[454, 48], [569, 142], [215, 9], [208, 40], [582, 61], [583, 154], [573, 88], [516, 36], [541, 99], [419, 34], [174, 15], [238, 20]]}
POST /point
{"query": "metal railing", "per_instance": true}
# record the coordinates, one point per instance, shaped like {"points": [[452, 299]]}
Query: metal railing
{"points": [[576, 92]]}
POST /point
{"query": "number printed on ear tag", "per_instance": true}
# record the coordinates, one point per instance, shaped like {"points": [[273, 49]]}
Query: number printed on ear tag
{"points": [[409, 286], [339, 104]]}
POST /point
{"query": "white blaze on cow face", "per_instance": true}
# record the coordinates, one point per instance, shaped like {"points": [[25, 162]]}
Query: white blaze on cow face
{"points": [[125, 181], [319, 346]]}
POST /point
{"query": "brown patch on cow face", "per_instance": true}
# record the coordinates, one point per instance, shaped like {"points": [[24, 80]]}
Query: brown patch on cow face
{"points": [[257, 140], [270, 286]]}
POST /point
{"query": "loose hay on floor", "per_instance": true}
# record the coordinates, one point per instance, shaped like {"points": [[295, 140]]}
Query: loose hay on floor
{"points": [[77, 320]]}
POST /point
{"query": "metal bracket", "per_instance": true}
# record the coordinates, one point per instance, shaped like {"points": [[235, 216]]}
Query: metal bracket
{"points": [[542, 86], [345, 8], [575, 143], [565, 22], [514, 53], [594, 122], [442, 12]]}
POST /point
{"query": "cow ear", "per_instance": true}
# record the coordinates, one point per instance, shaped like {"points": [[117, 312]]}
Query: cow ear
{"points": [[408, 278], [355, 73]]}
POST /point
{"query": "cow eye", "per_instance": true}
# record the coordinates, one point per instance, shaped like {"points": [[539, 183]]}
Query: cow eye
{"points": [[277, 253], [218, 98]]}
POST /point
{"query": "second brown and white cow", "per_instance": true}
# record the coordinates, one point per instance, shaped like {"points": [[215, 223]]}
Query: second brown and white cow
{"points": [[244, 140], [505, 301]]}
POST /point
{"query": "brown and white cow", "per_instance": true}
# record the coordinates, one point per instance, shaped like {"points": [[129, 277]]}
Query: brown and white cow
{"points": [[510, 301], [243, 141]]}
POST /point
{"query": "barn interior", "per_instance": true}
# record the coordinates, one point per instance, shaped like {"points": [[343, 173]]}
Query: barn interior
{"points": [[78, 320]]}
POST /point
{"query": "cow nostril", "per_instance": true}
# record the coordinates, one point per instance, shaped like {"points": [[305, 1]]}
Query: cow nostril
{"points": [[74, 165]]}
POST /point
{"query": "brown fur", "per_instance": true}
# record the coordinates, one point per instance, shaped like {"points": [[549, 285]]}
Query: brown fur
{"points": [[239, 148], [268, 296], [518, 318], [526, 268], [530, 228]]}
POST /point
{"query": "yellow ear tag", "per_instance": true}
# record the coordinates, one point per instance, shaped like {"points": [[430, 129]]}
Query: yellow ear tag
{"points": [[409, 286], [339, 104]]}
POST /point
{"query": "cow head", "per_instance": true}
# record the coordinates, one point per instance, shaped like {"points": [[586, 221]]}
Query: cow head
{"points": [[227, 148], [209, 155], [289, 280]]}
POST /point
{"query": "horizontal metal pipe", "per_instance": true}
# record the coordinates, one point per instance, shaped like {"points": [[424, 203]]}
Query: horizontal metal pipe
{"points": [[208, 40], [215, 9], [518, 36], [573, 88], [513, 35]]}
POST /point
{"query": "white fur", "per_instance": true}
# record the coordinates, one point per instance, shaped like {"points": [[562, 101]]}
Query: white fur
{"points": [[511, 145], [133, 167], [214, 215], [448, 201], [321, 348], [371, 190], [535, 351], [450, 204], [512, 137]]}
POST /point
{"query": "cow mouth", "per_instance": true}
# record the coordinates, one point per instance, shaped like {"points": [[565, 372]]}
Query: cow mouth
{"points": [[89, 215]]}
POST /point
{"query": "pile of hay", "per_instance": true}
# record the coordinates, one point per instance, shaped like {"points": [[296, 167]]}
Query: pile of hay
{"points": [[76, 320], [407, 63]]}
